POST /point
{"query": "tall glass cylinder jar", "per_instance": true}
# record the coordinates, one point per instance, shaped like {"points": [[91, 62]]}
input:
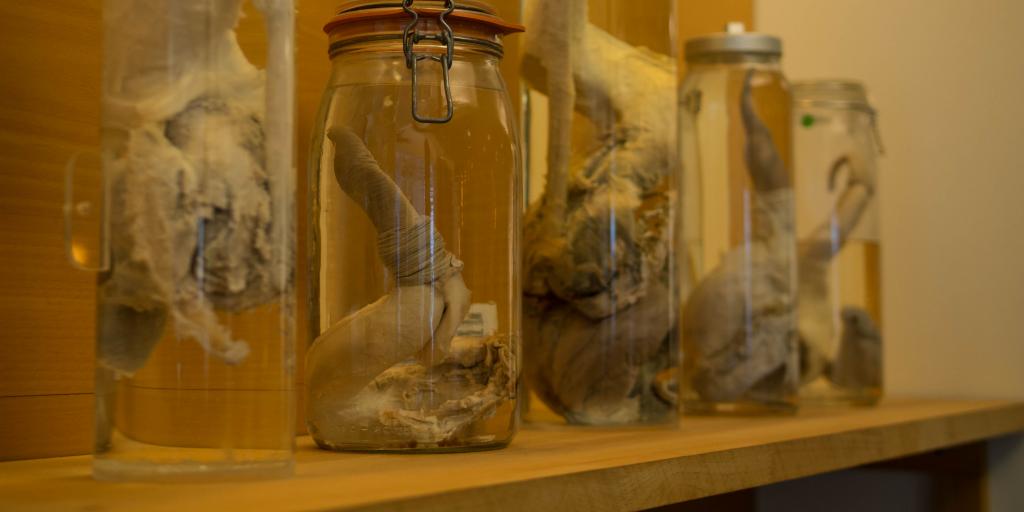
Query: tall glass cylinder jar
{"points": [[836, 144], [414, 233], [600, 290], [194, 304], [739, 317]]}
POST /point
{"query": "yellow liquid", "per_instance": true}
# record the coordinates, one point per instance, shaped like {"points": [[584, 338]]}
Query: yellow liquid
{"points": [[717, 182], [186, 413], [718, 204], [840, 296], [605, 369], [854, 280], [655, 410], [463, 175]]}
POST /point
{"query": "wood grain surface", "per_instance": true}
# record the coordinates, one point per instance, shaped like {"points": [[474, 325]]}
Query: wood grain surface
{"points": [[559, 468], [40, 425]]}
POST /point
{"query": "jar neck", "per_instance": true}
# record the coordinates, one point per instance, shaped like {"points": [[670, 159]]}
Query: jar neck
{"points": [[832, 94], [467, 36], [383, 62], [842, 106], [735, 59], [465, 48]]}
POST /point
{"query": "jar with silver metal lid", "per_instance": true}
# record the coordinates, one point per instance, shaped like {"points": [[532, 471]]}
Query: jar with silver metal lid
{"points": [[739, 262], [836, 147], [415, 207]]}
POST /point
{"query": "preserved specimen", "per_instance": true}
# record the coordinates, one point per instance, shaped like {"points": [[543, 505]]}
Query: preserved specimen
{"points": [[739, 319], [414, 253], [841, 352], [193, 314], [600, 311]]}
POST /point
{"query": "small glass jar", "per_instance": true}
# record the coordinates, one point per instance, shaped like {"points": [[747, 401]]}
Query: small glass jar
{"points": [[601, 322], [414, 233], [195, 356], [739, 317], [836, 142]]}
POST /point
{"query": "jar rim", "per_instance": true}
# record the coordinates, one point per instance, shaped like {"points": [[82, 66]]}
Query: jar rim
{"points": [[465, 10], [361, 5], [835, 93], [337, 47], [723, 43]]}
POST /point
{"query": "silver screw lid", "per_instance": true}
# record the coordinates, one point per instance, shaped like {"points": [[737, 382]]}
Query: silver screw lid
{"points": [[734, 40]]}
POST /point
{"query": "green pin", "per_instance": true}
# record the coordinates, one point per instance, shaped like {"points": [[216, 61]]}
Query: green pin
{"points": [[807, 120]]}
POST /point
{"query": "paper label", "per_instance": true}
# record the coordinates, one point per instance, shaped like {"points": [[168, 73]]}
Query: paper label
{"points": [[481, 321]]}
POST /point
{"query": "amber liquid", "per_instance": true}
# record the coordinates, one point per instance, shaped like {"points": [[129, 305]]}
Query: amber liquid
{"points": [[855, 281], [186, 413], [463, 175], [608, 354], [718, 185], [840, 296], [718, 212]]}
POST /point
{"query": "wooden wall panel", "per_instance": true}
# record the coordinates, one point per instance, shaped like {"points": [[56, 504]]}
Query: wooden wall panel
{"points": [[49, 109], [45, 425], [699, 17], [49, 106]]}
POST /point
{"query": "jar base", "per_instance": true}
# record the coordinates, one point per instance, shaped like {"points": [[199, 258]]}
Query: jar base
{"points": [[544, 421], [189, 470], [703, 408], [841, 399], [547, 418], [409, 447], [127, 459]]}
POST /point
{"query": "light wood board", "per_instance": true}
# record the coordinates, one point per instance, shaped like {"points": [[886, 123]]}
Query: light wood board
{"points": [[554, 469]]}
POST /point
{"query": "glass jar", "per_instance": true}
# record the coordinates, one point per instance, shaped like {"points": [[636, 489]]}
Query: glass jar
{"points": [[739, 317], [836, 144], [414, 233], [601, 322], [194, 345]]}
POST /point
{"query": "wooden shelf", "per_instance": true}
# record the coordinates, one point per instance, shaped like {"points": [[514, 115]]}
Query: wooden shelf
{"points": [[553, 468]]}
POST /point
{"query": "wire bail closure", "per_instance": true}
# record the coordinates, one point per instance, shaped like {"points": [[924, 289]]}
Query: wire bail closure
{"points": [[410, 38]]}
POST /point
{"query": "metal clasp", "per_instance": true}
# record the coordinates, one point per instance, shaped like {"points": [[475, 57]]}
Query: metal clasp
{"points": [[410, 38]]}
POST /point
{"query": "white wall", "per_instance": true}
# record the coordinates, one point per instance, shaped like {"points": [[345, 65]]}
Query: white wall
{"points": [[948, 79]]}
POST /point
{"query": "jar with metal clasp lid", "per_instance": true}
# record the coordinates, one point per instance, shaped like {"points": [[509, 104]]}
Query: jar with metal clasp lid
{"points": [[836, 144], [414, 231]]}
